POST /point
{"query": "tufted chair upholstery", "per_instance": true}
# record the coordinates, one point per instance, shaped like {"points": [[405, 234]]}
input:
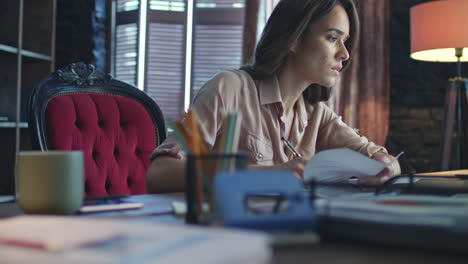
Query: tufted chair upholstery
{"points": [[116, 125]]}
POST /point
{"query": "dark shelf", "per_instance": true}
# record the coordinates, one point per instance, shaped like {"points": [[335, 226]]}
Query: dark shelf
{"points": [[9, 22], [37, 24], [35, 55], [25, 53], [8, 49], [8, 91], [35, 46], [12, 124]]}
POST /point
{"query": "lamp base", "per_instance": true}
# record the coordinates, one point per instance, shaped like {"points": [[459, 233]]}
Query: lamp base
{"points": [[454, 144]]}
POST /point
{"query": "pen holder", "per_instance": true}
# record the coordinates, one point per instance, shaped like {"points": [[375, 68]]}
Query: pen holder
{"points": [[199, 178]]}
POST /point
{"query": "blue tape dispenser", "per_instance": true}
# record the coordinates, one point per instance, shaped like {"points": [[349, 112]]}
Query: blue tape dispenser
{"points": [[263, 200]]}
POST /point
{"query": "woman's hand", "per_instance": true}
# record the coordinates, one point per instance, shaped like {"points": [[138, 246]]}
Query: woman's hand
{"points": [[387, 173], [296, 166]]}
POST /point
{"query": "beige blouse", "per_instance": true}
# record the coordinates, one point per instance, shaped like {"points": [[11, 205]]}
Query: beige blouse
{"points": [[315, 128]]}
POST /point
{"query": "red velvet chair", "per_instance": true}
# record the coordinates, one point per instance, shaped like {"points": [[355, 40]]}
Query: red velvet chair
{"points": [[116, 125]]}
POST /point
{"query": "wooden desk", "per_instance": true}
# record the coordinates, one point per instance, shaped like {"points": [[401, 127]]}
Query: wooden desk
{"points": [[444, 173], [158, 208]]}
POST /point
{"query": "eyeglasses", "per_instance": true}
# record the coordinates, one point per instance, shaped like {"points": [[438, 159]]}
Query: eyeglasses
{"points": [[405, 184], [391, 186]]}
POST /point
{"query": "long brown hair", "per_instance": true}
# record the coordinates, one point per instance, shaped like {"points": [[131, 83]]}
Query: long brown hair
{"points": [[287, 24]]}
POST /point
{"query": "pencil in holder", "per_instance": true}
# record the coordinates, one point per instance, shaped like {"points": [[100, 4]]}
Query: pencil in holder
{"points": [[199, 177]]}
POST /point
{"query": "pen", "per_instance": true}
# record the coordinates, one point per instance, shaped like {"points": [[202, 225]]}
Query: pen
{"points": [[29, 244], [290, 147], [399, 155], [110, 197]]}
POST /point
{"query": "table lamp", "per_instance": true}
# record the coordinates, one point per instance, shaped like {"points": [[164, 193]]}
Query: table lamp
{"points": [[439, 33]]}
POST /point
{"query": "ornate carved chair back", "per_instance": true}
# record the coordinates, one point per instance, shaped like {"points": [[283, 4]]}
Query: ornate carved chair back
{"points": [[116, 125]]}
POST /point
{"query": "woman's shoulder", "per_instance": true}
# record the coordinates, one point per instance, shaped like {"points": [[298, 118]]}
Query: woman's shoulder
{"points": [[229, 82], [232, 77], [228, 89]]}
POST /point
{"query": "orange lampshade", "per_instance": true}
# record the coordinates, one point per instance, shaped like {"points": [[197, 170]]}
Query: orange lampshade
{"points": [[437, 28]]}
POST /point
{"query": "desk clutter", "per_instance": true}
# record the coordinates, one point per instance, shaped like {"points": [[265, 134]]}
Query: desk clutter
{"points": [[403, 215], [283, 214], [280, 204]]}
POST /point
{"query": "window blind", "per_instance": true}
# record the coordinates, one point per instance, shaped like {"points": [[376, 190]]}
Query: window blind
{"points": [[165, 67], [220, 3], [217, 45], [126, 53], [127, 5], [172, 5], [216, 48], [218, 34]]}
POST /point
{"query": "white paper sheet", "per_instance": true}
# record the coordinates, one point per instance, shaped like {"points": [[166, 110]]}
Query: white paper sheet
{"points": [[54, 233], [337, 166]]}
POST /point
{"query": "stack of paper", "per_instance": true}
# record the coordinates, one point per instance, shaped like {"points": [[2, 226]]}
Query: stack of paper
{"points": [[87, 240], [54, 233]]}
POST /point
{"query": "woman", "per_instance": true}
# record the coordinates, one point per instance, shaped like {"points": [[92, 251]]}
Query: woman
{"points": [[303, 49]]}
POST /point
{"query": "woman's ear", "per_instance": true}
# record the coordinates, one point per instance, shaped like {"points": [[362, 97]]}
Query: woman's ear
{"points": [[293, 47]]}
